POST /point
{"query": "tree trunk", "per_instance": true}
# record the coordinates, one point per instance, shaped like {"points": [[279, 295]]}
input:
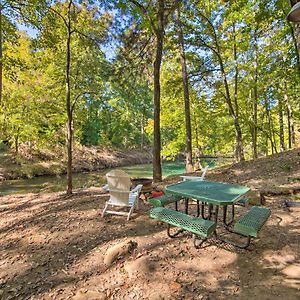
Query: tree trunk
{"points": [[17, 141], [196, 130], [188, 130], [295, 33], [281, 126], [266, 145], [1, 56], [69, 107], [254, 120], [159, 34], [142, 129], [270, 135], [290, 121], [273, 139], [239, 151], [238, 132], [255, 101], [296, 37]]}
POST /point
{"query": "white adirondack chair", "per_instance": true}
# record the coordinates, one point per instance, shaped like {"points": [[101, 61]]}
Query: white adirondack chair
{"points": [[120, 195], [196, 178]]}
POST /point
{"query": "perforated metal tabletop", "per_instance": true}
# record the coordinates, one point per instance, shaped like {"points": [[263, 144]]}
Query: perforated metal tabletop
{"points": [[216, 193]]}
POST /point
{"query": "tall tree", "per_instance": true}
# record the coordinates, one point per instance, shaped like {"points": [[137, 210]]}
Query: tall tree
{"points": [[232, 104], [189, 153], [74, 19], [155, 17]]}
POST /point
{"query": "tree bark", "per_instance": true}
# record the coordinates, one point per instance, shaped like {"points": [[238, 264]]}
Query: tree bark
{"points": [[296, 41], [68, 106], [188, 129], [281, 125], [239, 154], [296, 38], [159, 35], [142, 129], [1, 55], [290, 121], [239, 150], [17, 141], [255, 100], [196, 130], [270, 136]]}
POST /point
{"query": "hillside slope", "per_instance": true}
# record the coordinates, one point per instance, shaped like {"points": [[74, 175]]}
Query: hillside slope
{"points": [[275, 174]]}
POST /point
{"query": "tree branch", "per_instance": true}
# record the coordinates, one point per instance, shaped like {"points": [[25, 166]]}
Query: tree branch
{"points": [[59, 14], [145, 13]]}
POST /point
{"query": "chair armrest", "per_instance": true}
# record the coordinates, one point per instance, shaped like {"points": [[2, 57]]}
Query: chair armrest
{"points": [[105, 188], [137, 189]]}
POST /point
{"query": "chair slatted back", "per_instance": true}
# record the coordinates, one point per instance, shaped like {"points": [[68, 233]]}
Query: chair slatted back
{"points": [[119, 186]]}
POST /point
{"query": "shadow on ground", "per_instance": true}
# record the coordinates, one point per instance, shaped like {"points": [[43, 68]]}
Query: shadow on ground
{"points": [[53, 247]]}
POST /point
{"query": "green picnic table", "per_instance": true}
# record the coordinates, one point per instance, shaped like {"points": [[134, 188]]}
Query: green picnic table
{"points": [[213, 193], [216, 193]]}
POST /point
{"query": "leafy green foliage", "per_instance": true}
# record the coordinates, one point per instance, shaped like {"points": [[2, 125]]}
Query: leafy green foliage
{"points": [[112, 94]]}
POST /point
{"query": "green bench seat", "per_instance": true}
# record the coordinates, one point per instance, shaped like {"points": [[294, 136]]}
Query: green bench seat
{"points": [[164, 200], [251, 223], [242, 202], [198, 226]]}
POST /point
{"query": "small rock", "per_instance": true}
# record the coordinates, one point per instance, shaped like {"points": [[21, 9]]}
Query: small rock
{"points": [[140, 266], [175, 286], [118, 251], [292, 271]]}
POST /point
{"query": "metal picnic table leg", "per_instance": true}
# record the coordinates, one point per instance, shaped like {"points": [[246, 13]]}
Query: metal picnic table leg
{"points": [[186, 205], [210, 210], [172, 235], [233, 243], [225, 215], [216, 213], [202, 210], [198, 208]]}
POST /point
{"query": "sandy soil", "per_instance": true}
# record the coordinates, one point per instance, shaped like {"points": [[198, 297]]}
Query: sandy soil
{"points": [[53, 247]]}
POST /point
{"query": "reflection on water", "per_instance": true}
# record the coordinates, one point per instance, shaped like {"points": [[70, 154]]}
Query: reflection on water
{"points": [[81, 180]]}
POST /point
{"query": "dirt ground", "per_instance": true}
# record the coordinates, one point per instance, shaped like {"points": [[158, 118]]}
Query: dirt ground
{"points": [[53, 247]]}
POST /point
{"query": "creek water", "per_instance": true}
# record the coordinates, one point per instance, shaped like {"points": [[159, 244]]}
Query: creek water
{"points": [[85, 180]]}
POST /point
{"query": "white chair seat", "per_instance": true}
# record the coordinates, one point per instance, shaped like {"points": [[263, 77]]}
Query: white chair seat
{"points": [[120, 194]]}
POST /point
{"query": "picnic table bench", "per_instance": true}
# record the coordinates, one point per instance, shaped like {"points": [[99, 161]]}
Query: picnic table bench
{"points": [[164, 200], [215, 194], [251, 223], [199, 227]]}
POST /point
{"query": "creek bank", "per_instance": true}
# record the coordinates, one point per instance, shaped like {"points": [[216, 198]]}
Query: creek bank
{"points": [[275, 175], [32, 163]]}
